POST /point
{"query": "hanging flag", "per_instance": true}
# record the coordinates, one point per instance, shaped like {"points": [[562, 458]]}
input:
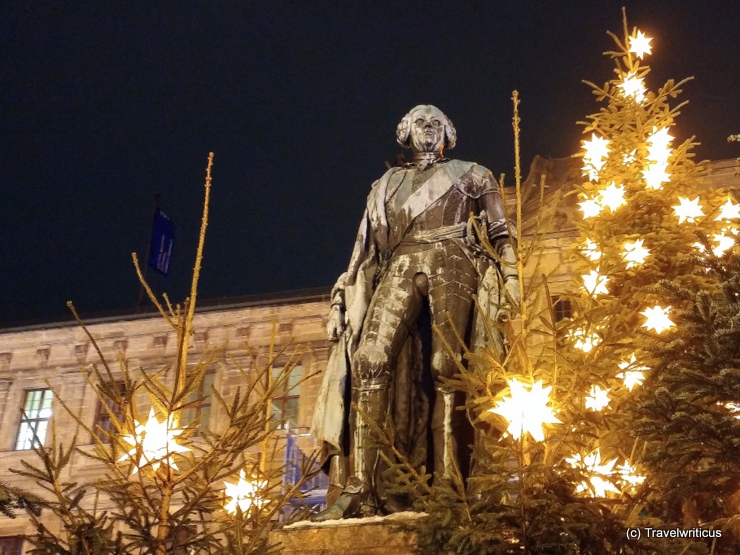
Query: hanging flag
{"points": [[163, 237]]}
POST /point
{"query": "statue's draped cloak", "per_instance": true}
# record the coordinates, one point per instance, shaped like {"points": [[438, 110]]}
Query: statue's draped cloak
{"points": [[374, 245]]}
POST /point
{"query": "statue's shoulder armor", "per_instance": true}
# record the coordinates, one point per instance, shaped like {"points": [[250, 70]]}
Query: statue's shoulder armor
{"points": [[476, 180]]}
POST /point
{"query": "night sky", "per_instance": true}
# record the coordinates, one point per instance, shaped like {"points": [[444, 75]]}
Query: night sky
{"points": [[104, 104]]}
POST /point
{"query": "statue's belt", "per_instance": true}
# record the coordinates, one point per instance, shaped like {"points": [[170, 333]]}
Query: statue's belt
{"points": [[424, 237]]}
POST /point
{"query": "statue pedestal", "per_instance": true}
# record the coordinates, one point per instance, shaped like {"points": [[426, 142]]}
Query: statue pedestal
{"points": [[359, 536]]}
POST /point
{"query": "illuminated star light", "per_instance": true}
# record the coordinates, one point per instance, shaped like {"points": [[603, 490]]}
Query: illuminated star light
{"points": [[244, 494], [612, 197], [633, 87], [688, 210], [598, 398], [658, 153], [527, 411], [631, 377], [657, 319], [628, 474], [595, 156], [725, 243], [595, 283], [156, 443], [729, 211], [656, 175], [585, 342], [640, 45], [590, 208], [598, 484], [591, 251], [635, 253]]}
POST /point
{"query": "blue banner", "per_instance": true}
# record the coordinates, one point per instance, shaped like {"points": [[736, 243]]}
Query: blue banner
{"points": [[163, 237]]}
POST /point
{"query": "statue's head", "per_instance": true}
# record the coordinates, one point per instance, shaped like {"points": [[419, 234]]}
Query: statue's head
{"points": [[426, 129]]}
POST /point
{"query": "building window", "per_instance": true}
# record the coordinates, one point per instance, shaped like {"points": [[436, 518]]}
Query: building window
{"points": [[11, 545], [561, 308], [102, 421], [285, 403], [199, 404], [34, 419]]}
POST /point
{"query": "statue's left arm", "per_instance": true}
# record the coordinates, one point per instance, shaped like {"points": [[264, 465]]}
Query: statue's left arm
{"points": [[501, 235]]}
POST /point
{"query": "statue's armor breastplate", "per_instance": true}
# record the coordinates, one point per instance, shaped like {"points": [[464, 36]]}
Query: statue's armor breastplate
{"points": [[432, 259]]}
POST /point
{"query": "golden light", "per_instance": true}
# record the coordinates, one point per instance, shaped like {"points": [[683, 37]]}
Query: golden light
{"points": [[598, 398], [657, 319], [632, 377], [734, 408], [658, 153], [590, 208], [655, 176], [595, 156], [640, 45], [634, 253], [724, 243], [633, 87], [244, 494], [729, 211], [659, 141], [612, 197], [527, 411], [688, 210], [598, 484], [591, 251], [595, 283], [584, 341], [628, 474], [155, 441]]}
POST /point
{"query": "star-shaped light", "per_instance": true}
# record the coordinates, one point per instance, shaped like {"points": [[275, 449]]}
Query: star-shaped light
{"points": [[628, 474], [634, 253], [595, 156], [632, 377], [724, 243], [688, 210], [244, 494], [657, 319], [640, 45], [659, 140], [584, 341], [526, 411], [612, 197], [656, 175], [154, 443], [591, 250], [598, 398], [729, 211], [590, 208], [633, 87], [595, 283], [598, 484]]}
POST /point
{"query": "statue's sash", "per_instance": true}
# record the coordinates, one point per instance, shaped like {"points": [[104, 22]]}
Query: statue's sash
{"points": [[438, 184]]}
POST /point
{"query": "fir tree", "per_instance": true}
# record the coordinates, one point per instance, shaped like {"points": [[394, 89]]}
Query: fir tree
{"points": [[688, 415], [174, 487]]}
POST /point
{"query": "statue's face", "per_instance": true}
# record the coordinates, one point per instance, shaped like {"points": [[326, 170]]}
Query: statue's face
{"points": [[427, 130]]}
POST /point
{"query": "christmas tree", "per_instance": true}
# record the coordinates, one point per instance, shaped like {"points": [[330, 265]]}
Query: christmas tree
{"points": [[556, 468]]}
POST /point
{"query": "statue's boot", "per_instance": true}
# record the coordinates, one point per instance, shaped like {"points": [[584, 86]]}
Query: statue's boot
{"points": [[445, 446], [360, 495]]}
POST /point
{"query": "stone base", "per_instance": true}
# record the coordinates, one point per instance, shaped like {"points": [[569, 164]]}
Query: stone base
{"points": [[365, 536]]}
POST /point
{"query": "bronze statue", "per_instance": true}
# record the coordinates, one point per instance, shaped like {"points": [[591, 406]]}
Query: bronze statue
{"points": [[415, 252]]}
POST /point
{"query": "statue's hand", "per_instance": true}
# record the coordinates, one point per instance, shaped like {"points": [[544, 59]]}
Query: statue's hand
{"points": [[513, 299], [336, 325]]}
